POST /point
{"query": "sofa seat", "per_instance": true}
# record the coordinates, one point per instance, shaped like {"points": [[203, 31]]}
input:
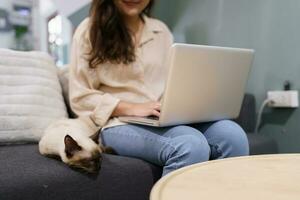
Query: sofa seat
{"points": [[25, 174]]}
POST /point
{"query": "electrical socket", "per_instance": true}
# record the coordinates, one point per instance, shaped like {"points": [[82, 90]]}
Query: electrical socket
{"points": [[283, 99]]}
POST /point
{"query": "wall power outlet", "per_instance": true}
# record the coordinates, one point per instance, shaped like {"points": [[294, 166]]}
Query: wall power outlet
{"points": [[284, 99]]}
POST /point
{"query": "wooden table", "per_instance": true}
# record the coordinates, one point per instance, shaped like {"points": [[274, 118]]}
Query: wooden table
{"points": [[268, 177]]}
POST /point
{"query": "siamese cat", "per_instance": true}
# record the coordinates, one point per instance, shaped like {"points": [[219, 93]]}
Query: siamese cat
{"points": [[76, 142]]}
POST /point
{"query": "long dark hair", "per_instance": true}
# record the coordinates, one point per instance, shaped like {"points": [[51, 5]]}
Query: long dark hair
{"points": [[110, 39]]}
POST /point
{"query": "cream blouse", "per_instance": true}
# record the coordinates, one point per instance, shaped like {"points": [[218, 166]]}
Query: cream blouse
{"points": [[95, 93]]}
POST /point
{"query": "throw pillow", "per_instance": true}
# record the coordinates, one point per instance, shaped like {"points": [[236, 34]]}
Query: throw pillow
{"points": [[30, 96]]}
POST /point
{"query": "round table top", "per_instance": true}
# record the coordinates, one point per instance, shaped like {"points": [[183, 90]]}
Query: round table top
{"points": [[275, 177]]}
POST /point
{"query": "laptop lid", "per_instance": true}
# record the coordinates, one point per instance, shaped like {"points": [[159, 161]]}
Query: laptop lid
{"points": [[205, 83]]}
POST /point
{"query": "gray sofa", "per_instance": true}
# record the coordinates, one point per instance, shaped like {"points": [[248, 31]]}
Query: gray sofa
{"points": [[25, 174], [258, 143]]}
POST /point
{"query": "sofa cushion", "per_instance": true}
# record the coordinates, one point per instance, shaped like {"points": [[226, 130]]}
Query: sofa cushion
{"points": [[30, 95], [25, 174]]}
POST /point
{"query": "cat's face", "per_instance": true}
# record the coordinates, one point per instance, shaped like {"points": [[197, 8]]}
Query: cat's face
{"points": [[83, 158]]}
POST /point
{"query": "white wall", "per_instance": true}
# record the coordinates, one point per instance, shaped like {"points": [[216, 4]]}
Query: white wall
{"points": [[65, 8], [47, 8], [36, 25], [5, 4]]}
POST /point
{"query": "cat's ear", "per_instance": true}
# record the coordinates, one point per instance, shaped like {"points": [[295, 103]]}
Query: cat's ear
{"points": [[95, 137], [71, 146]]}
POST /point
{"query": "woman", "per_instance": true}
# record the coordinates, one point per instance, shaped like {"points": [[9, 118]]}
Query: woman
{"points": [[118, 69]]}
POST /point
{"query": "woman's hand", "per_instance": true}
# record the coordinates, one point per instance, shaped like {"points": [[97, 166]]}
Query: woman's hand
{"points": [[146, 109], [137, 109]]}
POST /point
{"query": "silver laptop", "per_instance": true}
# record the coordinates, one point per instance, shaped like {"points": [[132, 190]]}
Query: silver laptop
{"points": [[205, 83]]}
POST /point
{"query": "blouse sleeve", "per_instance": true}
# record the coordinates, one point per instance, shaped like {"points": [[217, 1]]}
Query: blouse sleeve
{"points": [[85, 97]]}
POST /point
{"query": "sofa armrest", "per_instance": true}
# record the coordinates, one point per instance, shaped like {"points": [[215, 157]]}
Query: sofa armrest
{"points": [[63, 75]]}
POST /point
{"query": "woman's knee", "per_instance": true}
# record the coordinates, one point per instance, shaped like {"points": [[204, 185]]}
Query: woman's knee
{"points": [[197, 149], [191, 146], [230, 136]]}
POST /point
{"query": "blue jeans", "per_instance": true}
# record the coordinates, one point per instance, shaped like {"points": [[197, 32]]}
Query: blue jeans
{"points": [[178, 146]]}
